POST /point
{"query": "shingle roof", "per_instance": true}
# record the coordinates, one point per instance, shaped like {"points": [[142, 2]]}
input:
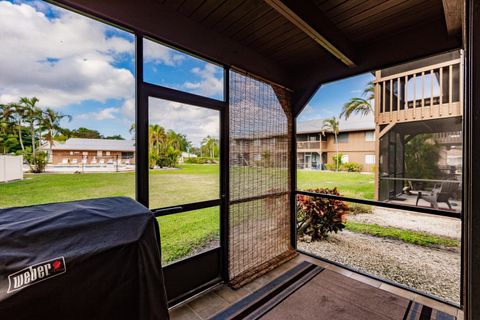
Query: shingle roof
{"points": [[95, 144], [354, 123]]}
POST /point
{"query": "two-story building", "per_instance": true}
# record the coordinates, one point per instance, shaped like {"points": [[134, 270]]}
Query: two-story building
{"points": [[356, 142], [76, 151]]}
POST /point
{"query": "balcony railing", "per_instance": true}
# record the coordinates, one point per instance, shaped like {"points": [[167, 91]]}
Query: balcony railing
{"points": [[425, 93], [311, 145]]}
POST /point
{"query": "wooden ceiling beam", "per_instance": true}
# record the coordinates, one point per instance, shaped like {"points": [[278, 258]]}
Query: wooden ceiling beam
{"points": [[306, 16], [453, 10]]}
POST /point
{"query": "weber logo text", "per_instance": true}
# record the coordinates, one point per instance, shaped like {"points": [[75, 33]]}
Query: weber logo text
{"points": [[36, 273]]}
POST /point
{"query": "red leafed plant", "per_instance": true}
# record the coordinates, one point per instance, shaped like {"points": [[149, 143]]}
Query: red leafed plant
{"points": [[319, 216]]}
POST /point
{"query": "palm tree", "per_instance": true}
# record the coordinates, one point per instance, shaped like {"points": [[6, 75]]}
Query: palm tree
{"points": [[211, 145], [33, 115], [132, 130], [6, 119], [332, 125], [360, 105], [157, 138], [19, 115], [51, 123]]}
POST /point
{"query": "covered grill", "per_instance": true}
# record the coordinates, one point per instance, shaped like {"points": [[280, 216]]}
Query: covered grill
{"points": [[94, 259]]}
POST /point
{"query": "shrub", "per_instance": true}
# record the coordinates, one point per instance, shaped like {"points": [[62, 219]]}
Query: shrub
{"points": [[358, 208], [330, 166], [200, 160], [318, 216], [38, 161], [352, 167], [337, 158]]}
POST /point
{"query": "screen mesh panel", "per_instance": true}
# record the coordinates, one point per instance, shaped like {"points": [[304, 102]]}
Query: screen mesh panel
{"points": [[259, 217]]}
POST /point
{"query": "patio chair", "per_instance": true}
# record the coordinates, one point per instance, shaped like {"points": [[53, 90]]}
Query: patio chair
{"points": [[440, 194]]}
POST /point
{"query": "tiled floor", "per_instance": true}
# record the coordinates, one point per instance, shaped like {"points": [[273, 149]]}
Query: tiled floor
{"points": [[221, 297]]}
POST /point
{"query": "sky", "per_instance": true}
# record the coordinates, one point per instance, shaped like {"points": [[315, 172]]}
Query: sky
{"points": [[86, 69], [329, 99]]}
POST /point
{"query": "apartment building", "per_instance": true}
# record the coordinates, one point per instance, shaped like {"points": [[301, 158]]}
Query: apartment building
{"points": [[356, 142]]}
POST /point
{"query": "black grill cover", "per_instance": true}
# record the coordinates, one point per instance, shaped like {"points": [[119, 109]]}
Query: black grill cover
{"points": [[93, 259]]}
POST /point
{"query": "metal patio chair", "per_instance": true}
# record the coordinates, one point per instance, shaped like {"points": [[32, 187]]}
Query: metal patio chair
{"points": [[440, 194]]}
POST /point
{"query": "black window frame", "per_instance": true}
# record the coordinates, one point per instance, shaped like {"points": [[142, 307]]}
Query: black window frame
{"points": [[436, 212]]}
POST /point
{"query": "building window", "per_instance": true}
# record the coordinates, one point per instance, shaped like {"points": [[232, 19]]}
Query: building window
{"points": [[369, 159], [342, 137], [370, 136]]}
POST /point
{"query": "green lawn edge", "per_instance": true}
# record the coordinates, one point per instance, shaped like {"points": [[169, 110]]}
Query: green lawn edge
{"points": [[408, 236]]}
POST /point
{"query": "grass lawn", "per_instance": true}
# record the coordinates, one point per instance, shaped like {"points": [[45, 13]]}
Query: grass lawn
{"points": [[181, 234], [349, 184]]}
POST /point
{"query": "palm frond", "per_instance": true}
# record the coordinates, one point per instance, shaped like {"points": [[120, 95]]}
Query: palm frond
{"points": [[356, 106]]}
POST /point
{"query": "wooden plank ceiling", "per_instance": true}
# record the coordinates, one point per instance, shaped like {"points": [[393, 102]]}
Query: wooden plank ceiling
{"points": [[299, 44]]}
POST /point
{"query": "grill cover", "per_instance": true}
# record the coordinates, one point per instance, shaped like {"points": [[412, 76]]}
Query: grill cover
{"points": [[93, 259]]}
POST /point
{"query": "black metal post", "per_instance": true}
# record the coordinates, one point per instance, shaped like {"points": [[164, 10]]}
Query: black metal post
{"points": [[471, 158], [224, 174], [141, 126], [293, 183]]}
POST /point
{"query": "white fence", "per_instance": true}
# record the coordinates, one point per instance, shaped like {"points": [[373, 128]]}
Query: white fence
{"points": [[11, 168]]}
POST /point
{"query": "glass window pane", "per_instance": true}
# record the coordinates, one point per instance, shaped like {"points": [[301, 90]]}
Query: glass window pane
{"points": [[189, 233], [184, 153], [421, 251], [175, 69], [66, 106]]}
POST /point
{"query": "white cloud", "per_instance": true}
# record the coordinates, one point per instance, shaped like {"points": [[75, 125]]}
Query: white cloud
{"points": [[128, 108], [157, 53], [211, 81], [104, 114], [64, 60], [195, 122]]}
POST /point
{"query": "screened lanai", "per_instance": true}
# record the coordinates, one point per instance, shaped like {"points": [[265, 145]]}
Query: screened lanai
{"points": [[273, 56]]}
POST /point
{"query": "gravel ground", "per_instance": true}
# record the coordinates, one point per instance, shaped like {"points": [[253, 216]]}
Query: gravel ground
{"points": [[427, 269], [443, 226]]}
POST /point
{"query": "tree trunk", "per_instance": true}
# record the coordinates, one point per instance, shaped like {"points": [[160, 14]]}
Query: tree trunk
{"points": [[20, 135], [32, 131], [338, 160], [51, 145]]}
